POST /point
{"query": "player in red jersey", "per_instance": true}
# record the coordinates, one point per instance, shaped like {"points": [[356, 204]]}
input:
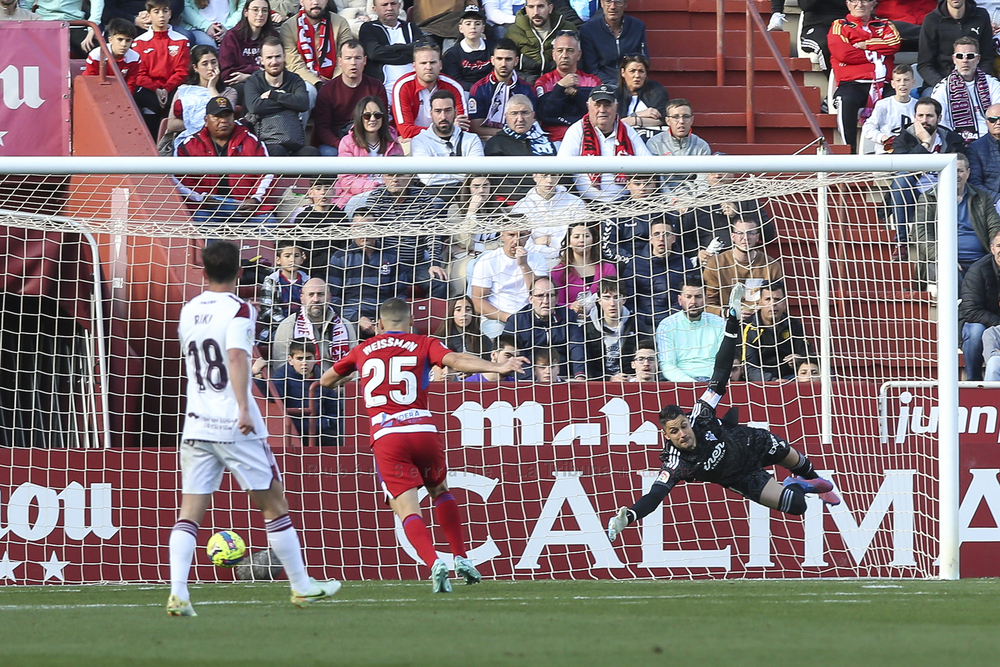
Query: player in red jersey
{"points": [[395, 369]]}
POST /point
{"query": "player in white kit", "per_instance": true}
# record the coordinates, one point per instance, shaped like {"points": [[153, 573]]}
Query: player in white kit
{"points": [[223, 429]]}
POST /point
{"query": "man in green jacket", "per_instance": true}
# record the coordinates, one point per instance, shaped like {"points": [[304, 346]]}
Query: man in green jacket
{"points": [[535, 28], [978, 222]]}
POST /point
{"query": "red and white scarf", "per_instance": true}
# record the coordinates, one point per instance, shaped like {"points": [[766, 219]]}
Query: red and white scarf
{"points": [[592, 146], [963, 117], [337, 344], [323, 63]]}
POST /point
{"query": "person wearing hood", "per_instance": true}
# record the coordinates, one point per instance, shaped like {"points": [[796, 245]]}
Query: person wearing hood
{"points": [[953, 19], [609, 335]]}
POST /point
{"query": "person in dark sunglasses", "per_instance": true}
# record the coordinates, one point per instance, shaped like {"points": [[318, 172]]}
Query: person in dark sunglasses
{"points": [[946, 23], [967, 92]]}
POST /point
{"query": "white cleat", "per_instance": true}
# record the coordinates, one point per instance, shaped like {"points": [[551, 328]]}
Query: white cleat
{"points": [[318, 590], [617, 523], [179, 607], [465, 568], [439, 577]]}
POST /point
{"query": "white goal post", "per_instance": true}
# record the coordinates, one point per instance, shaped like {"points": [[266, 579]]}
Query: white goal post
{"points": [[802, 177]]}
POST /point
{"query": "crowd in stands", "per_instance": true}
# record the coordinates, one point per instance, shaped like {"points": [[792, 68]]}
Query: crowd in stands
{"points": [[635, 297]]}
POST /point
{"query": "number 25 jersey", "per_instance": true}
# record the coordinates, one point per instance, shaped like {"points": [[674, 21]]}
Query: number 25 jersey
{"points": [[211, 324], [395, 370]]}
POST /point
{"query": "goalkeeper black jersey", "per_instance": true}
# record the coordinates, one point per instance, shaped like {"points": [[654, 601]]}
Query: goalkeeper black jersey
{"points": [[721, 452]]}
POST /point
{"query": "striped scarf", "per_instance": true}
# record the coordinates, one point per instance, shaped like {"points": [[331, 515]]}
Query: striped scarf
{"points": [[592, 146], [321, 64], [963, 117]]}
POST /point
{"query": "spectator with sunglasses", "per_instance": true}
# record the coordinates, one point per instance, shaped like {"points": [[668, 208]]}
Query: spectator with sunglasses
{"points": [[944, 25], [608, 36], [984, 155], [967, 92], [370, 135]]}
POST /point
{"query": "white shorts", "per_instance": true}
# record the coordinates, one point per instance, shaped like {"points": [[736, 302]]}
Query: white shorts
{"points": [[202, 463]]}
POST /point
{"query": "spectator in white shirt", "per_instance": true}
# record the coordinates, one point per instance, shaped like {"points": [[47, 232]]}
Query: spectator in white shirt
{"points": [[554, 207], [891, 113], [502, 278], [601, 132]]}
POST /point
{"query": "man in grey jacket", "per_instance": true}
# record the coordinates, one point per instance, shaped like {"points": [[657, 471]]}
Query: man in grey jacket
{"points": [[678, 140]]}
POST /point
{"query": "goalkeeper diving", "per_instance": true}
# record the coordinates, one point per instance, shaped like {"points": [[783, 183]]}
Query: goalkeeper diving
{"points": [[700, 447]]}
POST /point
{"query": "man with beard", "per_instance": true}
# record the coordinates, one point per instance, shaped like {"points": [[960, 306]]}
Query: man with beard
{"points": [[489, 96], [534, 31], [774, 342], [922, 137], [319, 322], [312, 40]]}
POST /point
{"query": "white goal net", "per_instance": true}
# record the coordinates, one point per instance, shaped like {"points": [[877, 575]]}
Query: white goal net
{"points": [[841, 339]]}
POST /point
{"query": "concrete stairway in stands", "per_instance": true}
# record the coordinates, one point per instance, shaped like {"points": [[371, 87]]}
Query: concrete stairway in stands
{"points": [[682, 44]]}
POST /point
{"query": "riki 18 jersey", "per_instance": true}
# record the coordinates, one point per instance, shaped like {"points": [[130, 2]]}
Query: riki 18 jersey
{"points": [[395, 370], [211, 324]]}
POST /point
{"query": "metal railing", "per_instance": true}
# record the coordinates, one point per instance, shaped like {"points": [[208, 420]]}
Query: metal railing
{"points": [[755, 21], [106, 62]]}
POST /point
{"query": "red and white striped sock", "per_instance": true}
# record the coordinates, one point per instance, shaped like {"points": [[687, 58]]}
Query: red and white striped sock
{"points": [[281, 536], [183, 540]]}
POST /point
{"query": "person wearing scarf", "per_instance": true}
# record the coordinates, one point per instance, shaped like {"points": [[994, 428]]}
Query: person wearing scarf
{"points": [[601, 132], [521, 136], [319, 322], [967, 92], [862, 49], [489, 96], [312, 39]]}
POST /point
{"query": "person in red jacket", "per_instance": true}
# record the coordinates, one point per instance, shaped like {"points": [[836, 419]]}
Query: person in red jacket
{"points": [[411, 96], [121, 34], [219, 198], [861, 50], [907, 16], [163, 64]]}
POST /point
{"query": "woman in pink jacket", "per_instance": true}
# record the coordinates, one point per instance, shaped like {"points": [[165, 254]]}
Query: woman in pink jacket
{"points": [[370, 136], [581, 267]]}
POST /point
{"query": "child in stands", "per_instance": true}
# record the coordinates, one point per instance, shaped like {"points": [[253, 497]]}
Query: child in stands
{"points": [[891, 113], [292, 383], [280, 295], [163, 64], [121, 34], [469, 60]]}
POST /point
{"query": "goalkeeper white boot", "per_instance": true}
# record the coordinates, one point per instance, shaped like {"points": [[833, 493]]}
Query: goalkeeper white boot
{"points": [[736, 300], [179, 607], [465, 568], [617, 523], [439, 577], [318, 590]]}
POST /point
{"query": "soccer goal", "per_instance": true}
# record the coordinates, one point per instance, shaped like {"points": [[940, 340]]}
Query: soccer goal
{"points": [[101, 253]]}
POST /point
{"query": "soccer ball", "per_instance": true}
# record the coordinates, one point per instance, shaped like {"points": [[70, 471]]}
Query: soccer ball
{"points": [[226, 548]]}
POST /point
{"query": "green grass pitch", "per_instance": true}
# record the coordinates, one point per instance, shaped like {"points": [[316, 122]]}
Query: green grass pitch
{"points": [[852, 623]]}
